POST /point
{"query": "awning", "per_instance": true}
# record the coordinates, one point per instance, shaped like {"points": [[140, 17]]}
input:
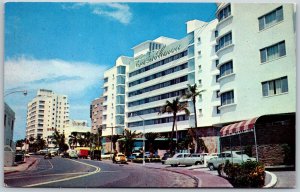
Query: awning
{"points": [[240, 127]]}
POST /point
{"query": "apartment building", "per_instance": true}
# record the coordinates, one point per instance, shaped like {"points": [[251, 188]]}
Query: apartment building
{"points": [[96, 114], [46, 113]]}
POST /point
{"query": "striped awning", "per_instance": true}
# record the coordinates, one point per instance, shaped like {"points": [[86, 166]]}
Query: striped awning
{"points": [[240, 127]]}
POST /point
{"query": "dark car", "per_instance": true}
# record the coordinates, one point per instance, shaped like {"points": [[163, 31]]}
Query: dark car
{"points": [[165, 157], [65, 155]]}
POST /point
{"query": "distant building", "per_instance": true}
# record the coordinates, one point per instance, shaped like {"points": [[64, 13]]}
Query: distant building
{"points": [[78, 126], [9, 121], [96, 114], [46, 113]]}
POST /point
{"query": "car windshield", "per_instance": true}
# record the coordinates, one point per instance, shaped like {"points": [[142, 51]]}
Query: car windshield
{"points": [[120, 155]]}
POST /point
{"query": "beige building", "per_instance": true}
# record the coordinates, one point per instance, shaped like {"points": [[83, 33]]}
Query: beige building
{"points": [[45, 113], [96, 114]]}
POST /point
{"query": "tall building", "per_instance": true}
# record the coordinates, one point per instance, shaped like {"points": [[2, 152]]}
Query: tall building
{"points": [[45, 113], [96, 114], [9, 122], [114, 98], [244, 63], [160, 71]]}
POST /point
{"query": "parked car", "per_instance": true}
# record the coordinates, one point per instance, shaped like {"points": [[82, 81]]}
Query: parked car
{"points": [[231, 156], [208, 157], [83, 153], [64, 155], [120, 158], [177, 159], [73, 154], [193, 159], [165, 157]]}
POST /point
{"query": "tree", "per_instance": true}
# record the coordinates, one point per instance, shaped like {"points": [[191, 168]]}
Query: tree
{"points": [[59, 140], [128, 143], [174, 107], [192, 94], [73, 139], [151, 136], [20, 143], [40, 143], [114, 139]]}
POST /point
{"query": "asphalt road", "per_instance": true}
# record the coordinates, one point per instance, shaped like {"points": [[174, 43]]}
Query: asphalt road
{"points": [[66, 173]]}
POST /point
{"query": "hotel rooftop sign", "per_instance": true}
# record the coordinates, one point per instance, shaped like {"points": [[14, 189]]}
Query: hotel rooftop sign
{"points": [[163, 52]]}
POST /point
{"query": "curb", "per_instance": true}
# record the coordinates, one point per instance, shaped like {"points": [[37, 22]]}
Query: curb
{"points": [[273, 180], [26, 167]]}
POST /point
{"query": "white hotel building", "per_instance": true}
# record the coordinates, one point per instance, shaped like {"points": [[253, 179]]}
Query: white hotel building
{"points": [[246, 63], [45, 113]]}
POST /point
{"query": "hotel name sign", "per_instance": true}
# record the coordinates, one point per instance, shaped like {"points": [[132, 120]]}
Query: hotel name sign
{"points": [[163, 52]]}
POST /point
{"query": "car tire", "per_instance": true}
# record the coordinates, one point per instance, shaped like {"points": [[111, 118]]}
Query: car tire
{"points": [[172, 165], [198, 163], [211, 167]]}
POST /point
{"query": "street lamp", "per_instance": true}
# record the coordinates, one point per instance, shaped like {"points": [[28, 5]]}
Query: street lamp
{"points": [[143, 136], [23, 91]]}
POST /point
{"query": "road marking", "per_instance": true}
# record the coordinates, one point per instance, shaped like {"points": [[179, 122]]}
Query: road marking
{"points": [[49, 175], [70, 178]]}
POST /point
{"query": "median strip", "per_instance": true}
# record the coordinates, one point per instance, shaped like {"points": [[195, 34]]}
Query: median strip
{"points": [[69, 178]]}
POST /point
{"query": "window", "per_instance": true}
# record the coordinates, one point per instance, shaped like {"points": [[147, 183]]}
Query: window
{"points": [[275, 87], [4, 120], [217, 78], [227, 98], [270, 18], [217, 93], [200, 112], [199, 39], [224, 13], [272, 52], [226, 69], [216, 33], [218, 110], [200, 82], [224, 41], [217, 62]]}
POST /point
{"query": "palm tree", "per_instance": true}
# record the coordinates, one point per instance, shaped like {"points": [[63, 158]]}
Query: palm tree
{"points": [[114, 140], [59, 140], [129, 141], [151, 136], [192, 94], [81, 139], [175, 107], [73, 139]]}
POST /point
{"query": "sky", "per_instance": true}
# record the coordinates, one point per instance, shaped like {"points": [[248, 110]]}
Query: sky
{"points": [[66, 47]]}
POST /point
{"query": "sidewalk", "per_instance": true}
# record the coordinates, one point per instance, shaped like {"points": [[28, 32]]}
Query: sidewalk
{"points": [[20, 167], [204, 180]]}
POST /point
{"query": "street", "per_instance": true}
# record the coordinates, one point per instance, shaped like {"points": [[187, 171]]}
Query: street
{"points": [[83, 173]]}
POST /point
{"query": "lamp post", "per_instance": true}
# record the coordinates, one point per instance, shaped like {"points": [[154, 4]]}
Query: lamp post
{"points": [[23, 91]]}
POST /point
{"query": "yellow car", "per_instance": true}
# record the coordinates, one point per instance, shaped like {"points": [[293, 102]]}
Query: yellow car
{"points": [[120, 158]]}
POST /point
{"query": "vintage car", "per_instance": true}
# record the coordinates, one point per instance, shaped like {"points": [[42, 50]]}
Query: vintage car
{"points": [[232, 156], [177, 159], [193, 159], [120, 158]]}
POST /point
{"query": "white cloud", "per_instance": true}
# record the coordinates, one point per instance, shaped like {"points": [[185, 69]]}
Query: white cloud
{"points": [[63, 77], [116, 11]]}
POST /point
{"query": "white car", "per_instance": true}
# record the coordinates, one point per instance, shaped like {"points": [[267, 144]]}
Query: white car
{"points": [[193, 159], [177, 159], [232, 156]]}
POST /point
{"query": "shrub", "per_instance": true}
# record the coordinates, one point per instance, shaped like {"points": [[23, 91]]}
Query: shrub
{"points": [[249, 174]]}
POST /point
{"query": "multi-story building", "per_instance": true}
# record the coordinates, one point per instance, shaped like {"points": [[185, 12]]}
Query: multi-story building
{"points": [[161, 70], [78, 127], [46, 113], [114, 100], [245, 63], [96, 114], [9, 121]]}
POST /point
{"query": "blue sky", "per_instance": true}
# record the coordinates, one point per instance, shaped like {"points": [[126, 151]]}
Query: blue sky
{"points": [[66, 47]]}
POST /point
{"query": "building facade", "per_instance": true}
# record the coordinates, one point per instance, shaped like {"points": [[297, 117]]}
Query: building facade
{"points": [[114, 98], [96, 114], [9, 121], [46, 113], [244, 63]]}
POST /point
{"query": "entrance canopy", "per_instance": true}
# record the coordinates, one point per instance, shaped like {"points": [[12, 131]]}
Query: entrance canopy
{"points": [[239, 127]]}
